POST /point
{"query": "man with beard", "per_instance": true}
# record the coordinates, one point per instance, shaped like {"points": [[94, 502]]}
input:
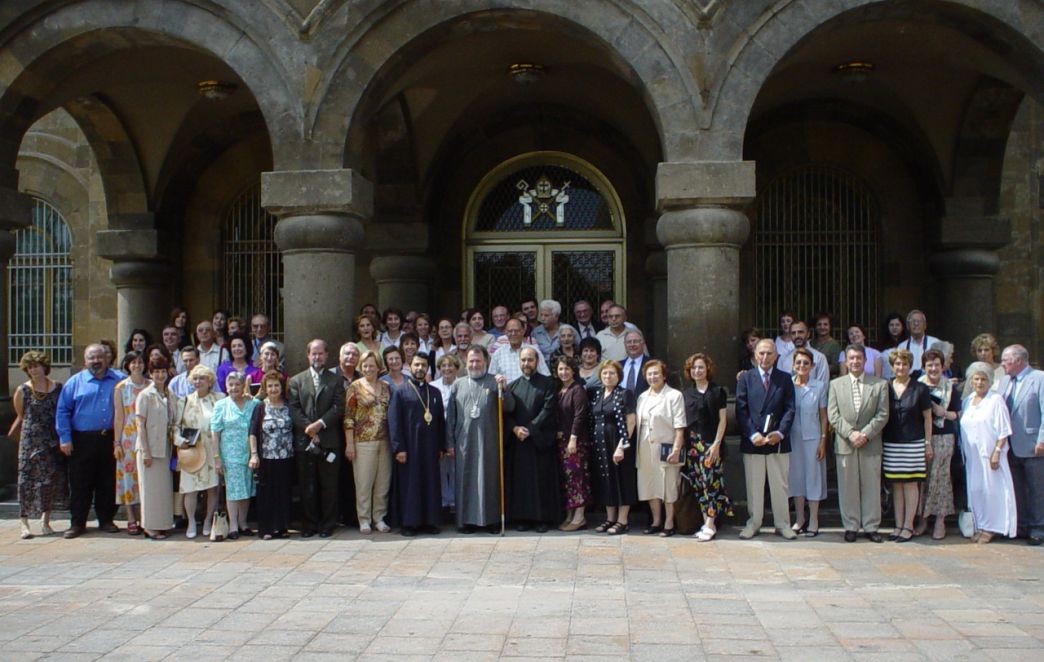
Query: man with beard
{"points": [[799, 336], [84, 424], [472, 427], [529, 447], [417, 431]]}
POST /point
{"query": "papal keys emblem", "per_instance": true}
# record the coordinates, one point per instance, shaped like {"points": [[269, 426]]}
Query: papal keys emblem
{"points": [[544, 197]]}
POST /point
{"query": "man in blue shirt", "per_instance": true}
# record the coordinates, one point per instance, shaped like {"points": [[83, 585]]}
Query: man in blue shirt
{"points": [[84, 423]]}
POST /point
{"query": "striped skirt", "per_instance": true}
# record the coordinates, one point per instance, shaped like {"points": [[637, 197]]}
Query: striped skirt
{"points": [[904, 460]]}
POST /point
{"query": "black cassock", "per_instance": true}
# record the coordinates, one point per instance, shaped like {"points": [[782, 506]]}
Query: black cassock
{"points": [[416, 490], [532, 468]]}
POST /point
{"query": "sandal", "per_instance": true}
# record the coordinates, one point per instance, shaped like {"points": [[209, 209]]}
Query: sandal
{"points": [[705, 534], [984, 538], [654, 528], [134, 529], [618, 529], [159, 535], [667, 533], [604, 526], [27, 534]]}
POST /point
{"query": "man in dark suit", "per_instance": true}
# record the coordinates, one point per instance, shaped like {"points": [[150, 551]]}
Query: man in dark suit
{"points": [[633, 375], [765, 412], [316, 403]]}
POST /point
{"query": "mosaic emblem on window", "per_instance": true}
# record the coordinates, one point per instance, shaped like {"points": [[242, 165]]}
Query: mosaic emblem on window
{"points": [[543, 197]]}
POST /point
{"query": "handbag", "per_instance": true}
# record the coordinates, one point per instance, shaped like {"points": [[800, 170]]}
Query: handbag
{"points": [[966, 523], [219, 525]]}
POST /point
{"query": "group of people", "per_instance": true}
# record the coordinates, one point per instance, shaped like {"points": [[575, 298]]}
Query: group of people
{"points": [[531, 421]]}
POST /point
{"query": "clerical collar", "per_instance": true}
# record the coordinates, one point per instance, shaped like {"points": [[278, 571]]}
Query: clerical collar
{"points": [[525, 376]]}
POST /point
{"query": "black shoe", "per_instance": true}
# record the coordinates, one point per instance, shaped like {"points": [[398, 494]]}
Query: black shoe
{"points": [[408, 532], [325, 533], [1034, 541], [522, 527], [74, 532], [850, 536], [431, 530], [493, 529], [467, 529], [233, 535], [307, 533], [109, 527], [541, 527], [667, 533], [180, 523], [653, 530], [246, 531], [874, 536]]}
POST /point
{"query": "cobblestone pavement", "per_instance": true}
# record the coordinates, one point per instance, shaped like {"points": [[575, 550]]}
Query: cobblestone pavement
{"points": [[482, 597]]}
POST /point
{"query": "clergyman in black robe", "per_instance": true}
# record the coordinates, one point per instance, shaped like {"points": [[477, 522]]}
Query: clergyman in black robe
{"points": [[417, 431], [529, 440]]}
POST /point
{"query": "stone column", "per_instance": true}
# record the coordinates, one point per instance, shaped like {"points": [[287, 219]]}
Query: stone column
{"points": [[15, 213], [965, 264], [656, 269], [702, 228], [319, 231], [142, 277], [403, 281]]}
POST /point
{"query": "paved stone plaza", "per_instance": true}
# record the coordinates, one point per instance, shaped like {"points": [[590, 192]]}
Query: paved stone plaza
{"points": [[484, 597]]}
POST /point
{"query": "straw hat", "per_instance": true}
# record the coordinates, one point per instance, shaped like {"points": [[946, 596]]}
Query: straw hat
{"points": [[191, 459]]}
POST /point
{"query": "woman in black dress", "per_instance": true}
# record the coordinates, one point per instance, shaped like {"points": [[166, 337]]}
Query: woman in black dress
{"points": [[614, 479], [907, 441], [272, 434], [705, 413]]}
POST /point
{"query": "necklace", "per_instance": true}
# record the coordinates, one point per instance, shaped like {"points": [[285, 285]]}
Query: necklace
{"points": [[425, 403]]}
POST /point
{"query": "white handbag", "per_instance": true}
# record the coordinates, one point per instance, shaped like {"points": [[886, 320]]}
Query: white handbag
{"points": [[966, 523]]}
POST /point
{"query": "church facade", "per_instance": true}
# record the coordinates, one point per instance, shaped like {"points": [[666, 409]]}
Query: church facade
{"points": [[709, 163]]}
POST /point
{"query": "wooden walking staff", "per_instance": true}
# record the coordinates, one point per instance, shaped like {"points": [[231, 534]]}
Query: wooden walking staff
{"points": [[500, 454]]}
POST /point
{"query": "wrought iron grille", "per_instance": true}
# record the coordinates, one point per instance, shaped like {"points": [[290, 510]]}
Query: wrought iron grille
{"points": [[39, 276], [816, 248], [579, 275], [253, 270], [504, 278]]}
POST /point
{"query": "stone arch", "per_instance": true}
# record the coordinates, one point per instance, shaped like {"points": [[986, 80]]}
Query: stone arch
{"points": [[47, 42], [637, 43], [1011, 33]]}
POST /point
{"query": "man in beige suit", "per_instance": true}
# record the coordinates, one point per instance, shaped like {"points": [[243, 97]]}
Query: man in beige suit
{"points": [[858, 411]]}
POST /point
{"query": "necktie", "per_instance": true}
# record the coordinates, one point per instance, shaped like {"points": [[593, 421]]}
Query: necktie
{"points": [[632, 375], [315, 380], [765, 383], [857, 395], [1010, 400]]}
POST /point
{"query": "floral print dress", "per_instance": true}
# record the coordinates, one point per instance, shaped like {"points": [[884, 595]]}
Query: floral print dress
{"points": [[708, 482], [126, 397], [43, 483]]}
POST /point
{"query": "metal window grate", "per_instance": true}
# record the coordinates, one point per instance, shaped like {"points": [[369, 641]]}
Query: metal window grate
{"points": [[252, 266], [816, 248], [39, 276]]}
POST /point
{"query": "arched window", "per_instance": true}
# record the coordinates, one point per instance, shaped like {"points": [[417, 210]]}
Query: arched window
{"points": [[544, 225], [253, 270], [816, 248], [39, 277]]}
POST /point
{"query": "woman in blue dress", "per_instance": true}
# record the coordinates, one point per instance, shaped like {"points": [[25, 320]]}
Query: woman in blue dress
{"points": [[808, 438], [230, 424]]}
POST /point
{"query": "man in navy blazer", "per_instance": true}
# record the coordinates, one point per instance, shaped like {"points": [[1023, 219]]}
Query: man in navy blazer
{"points": [[634, 363], [765, 412], [1023, 391]]}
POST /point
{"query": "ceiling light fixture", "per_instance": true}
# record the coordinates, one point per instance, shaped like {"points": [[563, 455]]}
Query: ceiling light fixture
{"points": [[526, 73], [215, 90], [854, 72]]}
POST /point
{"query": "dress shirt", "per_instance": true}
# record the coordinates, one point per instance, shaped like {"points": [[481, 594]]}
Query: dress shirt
{"points": [[85, 404], [495, 332], [1013, 387], [212, 357], [585, 331], [180, 385], [632, 367], [317, 379], [857, 393], [547, 342], [386, 340], [505, 362]]}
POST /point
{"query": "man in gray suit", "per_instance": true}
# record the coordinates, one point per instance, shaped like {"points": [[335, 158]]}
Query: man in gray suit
{"points": [[316, 402], [858, 412], [1023, 392]]}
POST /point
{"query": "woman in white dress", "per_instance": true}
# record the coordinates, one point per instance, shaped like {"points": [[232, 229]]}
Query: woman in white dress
{"points": [[661, 422], [194, 413], [155, 412], [985, 428]]}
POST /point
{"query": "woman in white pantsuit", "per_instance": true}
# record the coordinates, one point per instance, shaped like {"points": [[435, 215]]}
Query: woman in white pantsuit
{"points": [[155, 409]]}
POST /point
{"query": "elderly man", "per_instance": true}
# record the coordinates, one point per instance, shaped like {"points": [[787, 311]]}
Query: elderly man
{"points": [[505, 360], [612, 336], [799, 337], [545, 335], [633, 375], [858, 411], [210, 353], [316, 401], [917, 343], [529, 447], [1023, 390], [472, 426], [499, 315], [347, 360], [765, 412], [586, 326], [84, 424], [261, 330]]}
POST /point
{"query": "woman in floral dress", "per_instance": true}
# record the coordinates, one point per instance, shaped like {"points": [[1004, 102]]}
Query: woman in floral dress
{"points": [[705, 413], [574, 442], [125, 427], [43, 484], [230, 424]]}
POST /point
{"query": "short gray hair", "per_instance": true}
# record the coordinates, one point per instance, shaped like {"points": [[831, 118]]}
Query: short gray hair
{"points": [[980, 368], [553, 306]]}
